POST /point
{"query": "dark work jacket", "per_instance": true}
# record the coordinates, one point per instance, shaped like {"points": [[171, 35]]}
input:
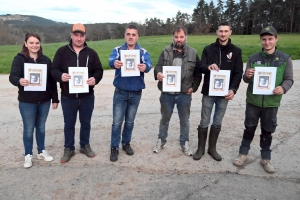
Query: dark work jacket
{"points": [[228, 57], [66, 57], [17, 72], [191, 74]]}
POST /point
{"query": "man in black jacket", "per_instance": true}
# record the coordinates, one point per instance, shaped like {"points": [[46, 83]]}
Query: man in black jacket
{"points": [[77, 54], [221, 55]]}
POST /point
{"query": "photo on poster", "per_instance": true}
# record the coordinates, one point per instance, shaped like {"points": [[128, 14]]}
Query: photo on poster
{"points": [[264, 80], [36, 74], [172, 78], [78, 81], [130, 64], [219, 82], [130, 60], [35, 78]]}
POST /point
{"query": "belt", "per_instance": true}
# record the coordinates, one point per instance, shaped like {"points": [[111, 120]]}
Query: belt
{"points": [[173, 93]]}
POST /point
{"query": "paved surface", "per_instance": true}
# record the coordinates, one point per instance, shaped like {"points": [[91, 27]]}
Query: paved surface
{"points": [[145, 175]]}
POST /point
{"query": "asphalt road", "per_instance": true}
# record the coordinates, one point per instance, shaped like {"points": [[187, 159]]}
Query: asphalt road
{"points": [[145, 175]]}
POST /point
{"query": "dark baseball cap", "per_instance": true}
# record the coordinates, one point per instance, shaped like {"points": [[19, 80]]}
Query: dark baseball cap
{"points": [[269, 30]]}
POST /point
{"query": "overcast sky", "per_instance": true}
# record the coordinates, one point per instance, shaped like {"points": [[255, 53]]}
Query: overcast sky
{"points": [[98, 11]]}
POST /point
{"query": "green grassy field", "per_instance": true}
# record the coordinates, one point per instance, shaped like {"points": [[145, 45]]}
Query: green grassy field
{"points": [[288, 43]]}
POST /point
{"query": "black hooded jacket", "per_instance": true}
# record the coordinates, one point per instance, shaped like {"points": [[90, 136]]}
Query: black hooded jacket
{"points": [[17, 72], [228, 57], [66, 57]]}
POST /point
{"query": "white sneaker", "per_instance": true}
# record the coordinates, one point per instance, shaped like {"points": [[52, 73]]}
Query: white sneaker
{"points": [[27, 162], [44, 155], [186, 149], [159, 146]]}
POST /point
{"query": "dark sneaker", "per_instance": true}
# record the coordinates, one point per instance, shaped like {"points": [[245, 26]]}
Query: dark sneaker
{"points": [[87, 151], [114, 154], [127, 148], [68, 153]]}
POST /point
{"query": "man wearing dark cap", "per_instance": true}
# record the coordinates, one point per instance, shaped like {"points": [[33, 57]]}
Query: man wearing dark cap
{"points": [[77, 54], [264, 107]]}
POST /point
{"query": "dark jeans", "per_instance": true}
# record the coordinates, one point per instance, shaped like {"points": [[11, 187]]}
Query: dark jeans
{"points": [[268, 123], [70, 107]]}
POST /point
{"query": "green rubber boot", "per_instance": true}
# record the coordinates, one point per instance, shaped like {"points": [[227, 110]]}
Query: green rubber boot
{"points": [[212, 142], [202, 135]]}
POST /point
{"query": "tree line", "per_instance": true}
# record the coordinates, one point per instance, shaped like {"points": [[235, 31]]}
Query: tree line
{"points": [[246, 17]]}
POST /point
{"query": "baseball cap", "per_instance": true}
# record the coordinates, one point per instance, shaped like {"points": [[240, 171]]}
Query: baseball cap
{"points": [[268, 30], [78, 28]]}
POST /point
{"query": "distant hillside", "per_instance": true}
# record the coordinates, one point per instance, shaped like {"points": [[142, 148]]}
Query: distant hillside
{"points": [[14, 27], [22, 20]]}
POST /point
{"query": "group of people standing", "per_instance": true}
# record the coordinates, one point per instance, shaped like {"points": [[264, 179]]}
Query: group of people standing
{"points": [[221, 55]]}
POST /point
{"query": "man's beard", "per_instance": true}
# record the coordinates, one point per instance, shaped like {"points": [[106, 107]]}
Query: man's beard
{"points": [[179, 45]]}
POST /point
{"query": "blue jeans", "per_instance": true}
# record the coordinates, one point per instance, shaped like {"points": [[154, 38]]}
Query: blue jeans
{"points": [[125, 105], [70, 107], [207, 106], [167, 103], [34, 116]]}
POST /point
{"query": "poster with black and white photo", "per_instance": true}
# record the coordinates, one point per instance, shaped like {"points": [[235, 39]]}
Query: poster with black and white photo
{"points": [[172, 79], [130, 60], [78, 81], [219, 82], [264, 80], [36, 74]]}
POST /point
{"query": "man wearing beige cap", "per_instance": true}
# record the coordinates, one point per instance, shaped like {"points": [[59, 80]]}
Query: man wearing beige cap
{"points": [[77, 54], [264, 107]]}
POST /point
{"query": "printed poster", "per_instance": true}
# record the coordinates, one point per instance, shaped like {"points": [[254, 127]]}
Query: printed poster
{"points": [[130, 59], [264, 80], [172, 79], [78, 81], [219, 82], [36, 74]]}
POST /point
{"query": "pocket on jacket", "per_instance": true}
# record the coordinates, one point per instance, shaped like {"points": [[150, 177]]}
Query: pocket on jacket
{"points": [[279, 63], [191, 65]]}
